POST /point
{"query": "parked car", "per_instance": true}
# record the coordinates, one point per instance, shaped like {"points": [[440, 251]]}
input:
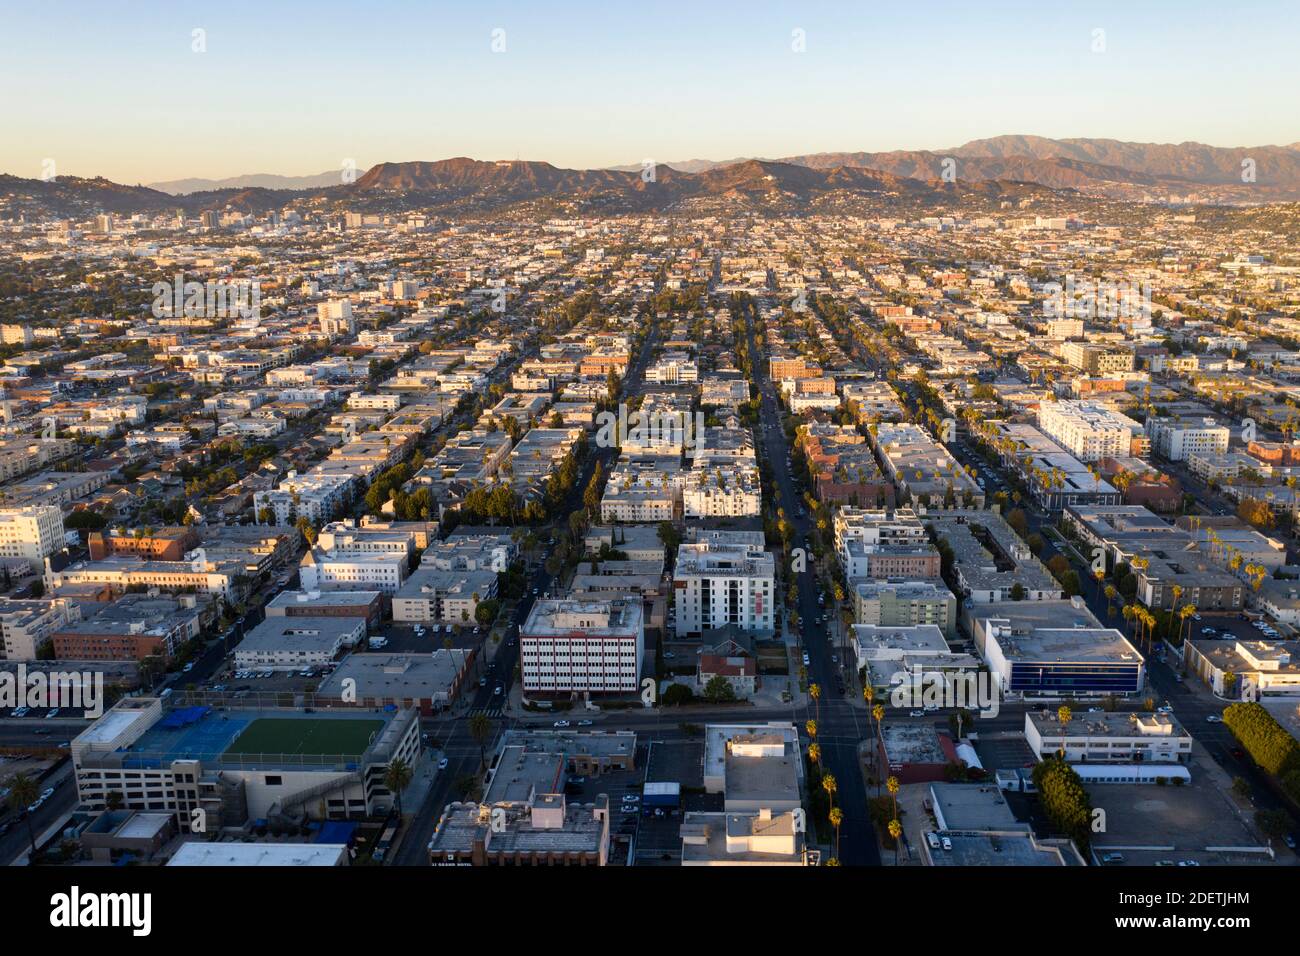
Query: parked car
{"points": [[560, 724]]}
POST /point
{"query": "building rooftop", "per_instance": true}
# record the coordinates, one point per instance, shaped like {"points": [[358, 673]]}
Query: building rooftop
{"points": [[202, 853], [399, 676]]}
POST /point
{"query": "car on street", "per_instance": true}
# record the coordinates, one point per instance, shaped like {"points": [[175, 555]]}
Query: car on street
{"points": [[1214, 719], [442, 764], [560, 724]]}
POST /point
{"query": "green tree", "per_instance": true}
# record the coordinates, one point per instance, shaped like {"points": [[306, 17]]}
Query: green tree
{"points": [[396, 779], [719, 690]]}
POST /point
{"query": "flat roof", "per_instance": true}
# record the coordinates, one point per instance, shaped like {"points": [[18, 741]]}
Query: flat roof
{"points": [[305, 633], [973, 807], [521, 773], [308, 599], [202, 853], [1094, 645]]}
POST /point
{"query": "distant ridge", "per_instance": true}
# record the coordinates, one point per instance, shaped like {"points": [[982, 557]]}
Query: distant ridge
{"points": [[1012, 166], [183, 187]]}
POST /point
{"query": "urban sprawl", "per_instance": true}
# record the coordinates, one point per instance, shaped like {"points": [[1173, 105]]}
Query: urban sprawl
{"points": [[335, 537]]}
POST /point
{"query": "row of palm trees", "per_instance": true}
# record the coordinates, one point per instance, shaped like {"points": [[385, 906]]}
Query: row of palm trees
{"points": [[835, 815]]}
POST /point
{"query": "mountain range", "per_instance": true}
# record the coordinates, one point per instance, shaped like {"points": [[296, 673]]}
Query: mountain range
{"points": [[986, 169], [1105, 167], [180, 187]]}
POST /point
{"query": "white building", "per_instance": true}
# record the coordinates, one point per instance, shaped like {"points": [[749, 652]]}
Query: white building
{"points": [[335, 318], [582, 646], [1087, 430], [1178, 439], [325, 571], [26, 625], [722, 489], [1108, 737], [316, 496], [287, 643], [451, 597], [31, 533], [719, 583]]}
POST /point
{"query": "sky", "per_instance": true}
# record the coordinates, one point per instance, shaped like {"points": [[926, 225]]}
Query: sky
{"points": [[117, 88]]}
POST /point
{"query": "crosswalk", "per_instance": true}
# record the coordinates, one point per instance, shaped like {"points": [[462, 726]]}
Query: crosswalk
{"points": [[492, 710]]}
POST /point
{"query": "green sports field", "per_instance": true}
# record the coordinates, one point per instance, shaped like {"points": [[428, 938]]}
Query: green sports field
{"points": [[311, 736]]}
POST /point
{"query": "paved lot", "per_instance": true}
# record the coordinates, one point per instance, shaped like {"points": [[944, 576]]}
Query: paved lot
{"points": [[1151, 824]]}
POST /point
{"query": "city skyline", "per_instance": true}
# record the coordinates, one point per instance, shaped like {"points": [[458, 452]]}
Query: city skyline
{"points": [[591, 88]]}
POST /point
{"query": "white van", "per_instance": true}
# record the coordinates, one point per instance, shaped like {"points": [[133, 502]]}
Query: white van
{"points": [[932, 838]]}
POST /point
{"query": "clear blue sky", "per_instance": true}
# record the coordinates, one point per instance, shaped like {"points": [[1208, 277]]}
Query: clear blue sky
{"points": [[112, 88]]}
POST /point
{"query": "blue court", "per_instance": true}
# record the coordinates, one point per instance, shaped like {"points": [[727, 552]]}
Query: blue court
{"points": [[205, 739]]}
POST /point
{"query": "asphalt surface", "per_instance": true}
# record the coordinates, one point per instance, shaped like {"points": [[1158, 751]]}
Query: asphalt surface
{"points": [[840, 726]]}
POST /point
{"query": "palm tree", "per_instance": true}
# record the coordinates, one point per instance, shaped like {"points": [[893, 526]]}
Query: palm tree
{"points": [[869, 695], [815, 692], [815, 755], [1064, 715], [22, 794], [1149, 620], [836, 818], [878, 715], [830, 786], [895, 832], [480, 728], [1187, 612], [396, 779]]}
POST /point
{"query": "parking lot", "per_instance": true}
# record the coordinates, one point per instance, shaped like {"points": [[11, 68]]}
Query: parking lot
{"points": [[624, 790], [256, 682], [405, 639], [1154, 825]]}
